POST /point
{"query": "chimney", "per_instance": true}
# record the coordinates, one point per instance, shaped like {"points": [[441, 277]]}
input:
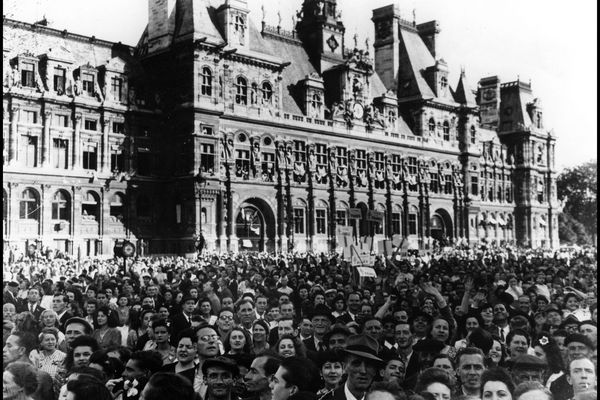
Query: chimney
{"points": [[428, 32], [387, 44], [160, 30]]}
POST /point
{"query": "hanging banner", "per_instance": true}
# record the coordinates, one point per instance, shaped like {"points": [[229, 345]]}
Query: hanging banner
{"points": [[354, 213], [366, 272]]}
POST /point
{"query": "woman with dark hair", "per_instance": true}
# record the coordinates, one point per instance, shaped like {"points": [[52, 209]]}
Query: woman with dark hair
{"points": [[111, 366], [260, 332], [339, 306], [105, 324], [237, 341], [139, 324], [186, 352], [290, 346], [466, 325], [547, 349], [496, 384], [437, 382], [331, 369], [441, 330], [87, 387], [25, 322], [161, 330], [496, 356], [19, 380]]}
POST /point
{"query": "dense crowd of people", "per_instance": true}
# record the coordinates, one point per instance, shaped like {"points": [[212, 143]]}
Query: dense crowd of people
{"points": [[488, 323]]}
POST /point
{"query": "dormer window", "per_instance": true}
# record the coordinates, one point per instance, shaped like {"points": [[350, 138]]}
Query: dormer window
{"points": [[431, 126], [241, 96], [28, 74], [59, 80], [116, 88], [443, 84], [316, 104], [240, 28], [267, 92], [88, 83], [446, 130], [206, 84], [538, 120]]}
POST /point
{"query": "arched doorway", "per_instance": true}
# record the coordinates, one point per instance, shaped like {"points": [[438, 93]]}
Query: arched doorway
{"points": [[363, 228], [255, 226], [441, 227]]}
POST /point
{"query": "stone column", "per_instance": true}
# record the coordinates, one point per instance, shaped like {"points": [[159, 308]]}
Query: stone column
{"points": [[46, 139], [76, 162], [13, 140], [105, 160], [46, 227]]}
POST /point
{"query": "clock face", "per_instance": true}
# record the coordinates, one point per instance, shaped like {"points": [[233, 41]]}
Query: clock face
{"points": [[128, 249], [357, 109], [332, 43], [489, 94]]}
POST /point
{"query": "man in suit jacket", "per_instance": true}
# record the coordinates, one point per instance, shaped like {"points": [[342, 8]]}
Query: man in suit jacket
{"points": [[10, 293], [321, 319], [182, 320], [362, 364], [59, 305], [353, 302], [32, 303]]}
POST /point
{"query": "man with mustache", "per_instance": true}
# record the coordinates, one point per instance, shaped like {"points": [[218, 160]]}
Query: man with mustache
{"points": [[219, 376], [257, 378], [361, 366]]}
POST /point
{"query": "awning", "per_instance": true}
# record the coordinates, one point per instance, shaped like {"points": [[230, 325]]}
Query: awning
{"points": [[501, 221]]}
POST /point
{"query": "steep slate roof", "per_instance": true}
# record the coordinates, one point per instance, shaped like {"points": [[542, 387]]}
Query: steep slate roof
{"points": [[514, 95], [194, 19], [414, 59], [463, 94]]}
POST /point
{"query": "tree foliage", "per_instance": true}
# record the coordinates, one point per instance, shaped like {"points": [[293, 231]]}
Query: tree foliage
{"points": [[577, 189]]}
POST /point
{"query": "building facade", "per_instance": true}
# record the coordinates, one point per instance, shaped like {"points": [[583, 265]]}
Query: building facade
{"points": [[263, 139]]}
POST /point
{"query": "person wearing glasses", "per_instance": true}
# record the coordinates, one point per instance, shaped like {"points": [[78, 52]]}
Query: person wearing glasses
{"points": [[208, 344], [220, 373]]}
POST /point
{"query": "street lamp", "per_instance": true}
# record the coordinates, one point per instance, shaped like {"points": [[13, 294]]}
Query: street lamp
{"points": [[199, 180]]}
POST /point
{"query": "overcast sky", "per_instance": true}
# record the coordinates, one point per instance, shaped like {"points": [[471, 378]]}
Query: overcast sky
{"points": [[552, 43]]}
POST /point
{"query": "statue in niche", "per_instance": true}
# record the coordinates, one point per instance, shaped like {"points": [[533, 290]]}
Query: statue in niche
{"points": [[332, 159], [352, 163], [289, 154], [77, 89], [256, 160], [357, 87], [312, 158], [457, 176], [319, 9], [227, 142], [281, 155], [13, 77]]}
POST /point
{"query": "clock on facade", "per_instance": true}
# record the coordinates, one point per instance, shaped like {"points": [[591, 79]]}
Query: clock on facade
{"points": [[357, 110], [128, 249], [332, 43], [489, 94]]}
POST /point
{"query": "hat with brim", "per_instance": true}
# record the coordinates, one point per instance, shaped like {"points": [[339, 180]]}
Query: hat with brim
{"points": [[428, 346], [336, 329], [322, 311], [223, 362], [81, 321], [363, 346]]}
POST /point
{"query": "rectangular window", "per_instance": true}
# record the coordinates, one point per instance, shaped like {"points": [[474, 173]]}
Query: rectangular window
{"points": [[342, 156], [509, 194], [268, 161], [412, 224], [448, 184], [341, 218], [90, 125], [29, 117], [242, 164], [299, 224], [61, 121], [474, 185], [299, 151], [412, 165], [434, 182], [321, 154], [116, 88], [396, 223], [396, 163], [27, 74], [88, 84], [116, 161], [207, 130], [60, 153], [90, 157], [59, 80], [379, 161], [321, 221], [118, 127], [29, 150], [361, 160], [207, 158]]}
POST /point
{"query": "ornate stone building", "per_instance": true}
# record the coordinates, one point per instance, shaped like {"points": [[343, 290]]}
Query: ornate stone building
{"points": [[263, 139]]}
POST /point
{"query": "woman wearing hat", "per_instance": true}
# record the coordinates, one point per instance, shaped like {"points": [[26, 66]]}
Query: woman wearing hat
{"points": [[331, 369]]}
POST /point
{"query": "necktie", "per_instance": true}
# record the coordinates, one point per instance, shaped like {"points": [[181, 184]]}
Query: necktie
{"points": [[31, 308], [502, 335]]}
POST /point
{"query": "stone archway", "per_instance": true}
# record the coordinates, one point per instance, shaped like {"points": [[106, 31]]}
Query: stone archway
{"points": [[363, 224], [255, 226], [441, 226]]}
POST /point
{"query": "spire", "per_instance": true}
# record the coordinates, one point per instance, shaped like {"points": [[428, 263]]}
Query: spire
{"points": [[464, 94]]}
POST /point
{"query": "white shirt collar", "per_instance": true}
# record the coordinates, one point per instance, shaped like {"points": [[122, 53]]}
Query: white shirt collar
{"points": [[348, 393]]}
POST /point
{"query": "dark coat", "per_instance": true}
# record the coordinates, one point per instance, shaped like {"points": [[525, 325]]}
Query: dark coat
{"points": [[344, 319], [337, 394], [178, 323], [561, 389], [37, 311]]}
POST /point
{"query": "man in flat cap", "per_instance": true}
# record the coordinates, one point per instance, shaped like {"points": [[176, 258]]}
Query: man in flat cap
{"points": [[361, 366], [578, 346], [219, 376], [528, 368]]}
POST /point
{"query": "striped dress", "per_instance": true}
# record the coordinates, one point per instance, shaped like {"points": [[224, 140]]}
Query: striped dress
{"points": [[49, 364]]}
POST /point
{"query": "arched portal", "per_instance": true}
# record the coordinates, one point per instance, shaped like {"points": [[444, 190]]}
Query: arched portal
{"points": [[255, 226], [363, 229], [441, 226]]}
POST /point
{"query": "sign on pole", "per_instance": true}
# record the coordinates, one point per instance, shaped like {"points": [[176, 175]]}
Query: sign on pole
{"points": [[375, 216], [354, 213]]}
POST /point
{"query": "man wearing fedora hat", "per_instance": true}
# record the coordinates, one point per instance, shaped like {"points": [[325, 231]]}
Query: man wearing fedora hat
{"points": [[183, 319], [362, 364]]}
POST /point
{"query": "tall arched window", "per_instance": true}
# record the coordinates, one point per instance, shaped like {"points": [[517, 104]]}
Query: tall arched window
{"points": [[241, 96], [267, 92], [61, 206], [206, 83], [431, 126], [29, 205], [90, 207], [117, 204], [446, 130], [413, 221]]}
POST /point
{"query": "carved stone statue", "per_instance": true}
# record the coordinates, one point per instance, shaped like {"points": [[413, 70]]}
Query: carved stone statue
{"points": [[227, 142], [332, 159], [281, 163]]}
